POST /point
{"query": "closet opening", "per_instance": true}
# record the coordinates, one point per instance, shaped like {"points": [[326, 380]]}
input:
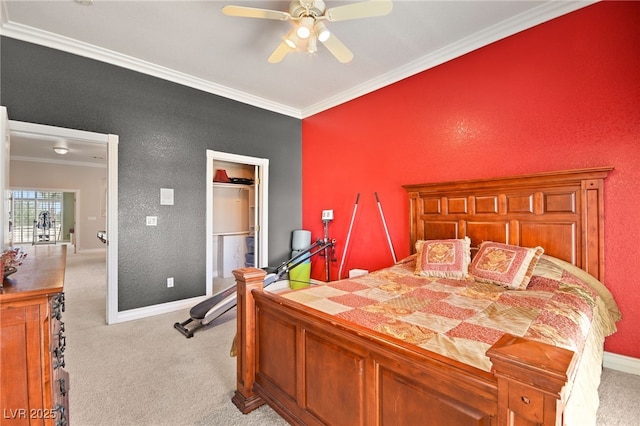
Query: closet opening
{"points": [[237, 231]]}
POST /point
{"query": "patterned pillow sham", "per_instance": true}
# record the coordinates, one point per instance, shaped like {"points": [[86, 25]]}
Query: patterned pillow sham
{"points": [[505, 265], [443, 258]]}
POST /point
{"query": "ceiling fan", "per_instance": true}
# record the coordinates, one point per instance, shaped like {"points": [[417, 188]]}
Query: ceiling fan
{"points": [[309, 28]]}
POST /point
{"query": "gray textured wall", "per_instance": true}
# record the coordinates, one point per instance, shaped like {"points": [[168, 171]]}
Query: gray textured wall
{"points": [[164, 130]]}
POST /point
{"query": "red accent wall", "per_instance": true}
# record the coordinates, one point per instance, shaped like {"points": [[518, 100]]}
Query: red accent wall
{"points": [[562, 95]]}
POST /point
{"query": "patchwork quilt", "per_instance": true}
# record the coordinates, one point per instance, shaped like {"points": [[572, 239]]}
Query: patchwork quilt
{"points": [[461, 319]]}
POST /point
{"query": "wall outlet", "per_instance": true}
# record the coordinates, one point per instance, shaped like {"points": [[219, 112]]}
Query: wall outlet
{"points": [[152, 220], [170, 282]]}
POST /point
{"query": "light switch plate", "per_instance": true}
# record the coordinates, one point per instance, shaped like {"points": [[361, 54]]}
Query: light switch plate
{"points": [[166, 196], [152, 220]]}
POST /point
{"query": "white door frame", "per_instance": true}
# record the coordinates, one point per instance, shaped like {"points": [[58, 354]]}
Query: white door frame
{"points": [[5, 199], [263, 207], [111, 142], [112, 229]]}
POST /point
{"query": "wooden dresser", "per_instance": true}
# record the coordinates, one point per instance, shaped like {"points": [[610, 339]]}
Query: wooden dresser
{"points": [[34, 385]]}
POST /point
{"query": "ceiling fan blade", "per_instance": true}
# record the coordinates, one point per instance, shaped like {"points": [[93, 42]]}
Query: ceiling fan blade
{"points": [[252, 12], [280, 52], [337, 49], [365, 9]]}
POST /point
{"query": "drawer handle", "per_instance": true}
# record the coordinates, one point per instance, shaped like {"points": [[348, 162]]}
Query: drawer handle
{"points": [[59, 298], [57, 305], [525, 400], [62, 418], [57, 314], [62, 341], [59, 362], [63, 387]]}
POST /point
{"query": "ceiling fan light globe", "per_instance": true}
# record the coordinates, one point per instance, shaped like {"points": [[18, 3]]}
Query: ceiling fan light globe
{"points": [[290, 43], [324, 35], [291, 39], [322, 32], [305, 27], [303, 32]]}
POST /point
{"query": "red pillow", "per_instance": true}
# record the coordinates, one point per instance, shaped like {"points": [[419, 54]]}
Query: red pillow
{"points": [[505, 265], [443, 258]]}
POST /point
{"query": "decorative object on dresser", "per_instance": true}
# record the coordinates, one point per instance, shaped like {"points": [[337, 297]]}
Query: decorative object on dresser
{"points": [[10, 261], [318, 358], [34, 385]]}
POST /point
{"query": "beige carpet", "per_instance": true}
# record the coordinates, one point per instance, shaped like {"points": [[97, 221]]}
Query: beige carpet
{"points": [[619, 399], [146, 373]]}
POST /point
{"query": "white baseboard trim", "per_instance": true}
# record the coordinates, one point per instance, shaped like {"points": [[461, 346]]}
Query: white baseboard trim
{"points": [[165, 308], [162, 308], [92, 250], [623, 363]]}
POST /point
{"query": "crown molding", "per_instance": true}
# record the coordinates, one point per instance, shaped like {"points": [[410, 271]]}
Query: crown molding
{"points": [[60, 162], [543, 13], [4, 15]]}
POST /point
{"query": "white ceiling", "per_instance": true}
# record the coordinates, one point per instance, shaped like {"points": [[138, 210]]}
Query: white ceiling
{"points": [[193, 43]]}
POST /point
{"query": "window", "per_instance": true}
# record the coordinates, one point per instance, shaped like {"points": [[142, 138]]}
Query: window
{"points": [[37, 216]]}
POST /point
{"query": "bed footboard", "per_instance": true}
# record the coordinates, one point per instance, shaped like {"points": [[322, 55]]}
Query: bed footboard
{"points": [[313, 369], [531, 380]]}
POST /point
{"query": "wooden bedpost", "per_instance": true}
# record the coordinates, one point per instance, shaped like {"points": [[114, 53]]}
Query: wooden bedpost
{"points": [[531, 378], [247, 279]]}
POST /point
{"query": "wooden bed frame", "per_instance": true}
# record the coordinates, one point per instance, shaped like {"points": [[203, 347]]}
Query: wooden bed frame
{"points": [[313, 368]]}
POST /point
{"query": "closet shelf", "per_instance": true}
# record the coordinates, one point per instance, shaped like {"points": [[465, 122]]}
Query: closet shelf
{"points": [[232, 185], [218, 234]]}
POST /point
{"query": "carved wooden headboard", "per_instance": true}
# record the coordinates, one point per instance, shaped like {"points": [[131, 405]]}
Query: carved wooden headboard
{"points": [[563, 212]]}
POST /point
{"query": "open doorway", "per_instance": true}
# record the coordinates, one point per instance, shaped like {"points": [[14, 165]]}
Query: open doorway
{"points": [[237, 205], [35, 142]]}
